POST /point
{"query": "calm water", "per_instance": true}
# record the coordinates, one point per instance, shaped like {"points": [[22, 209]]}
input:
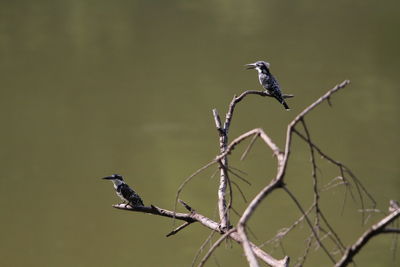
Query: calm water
{"points": [[90, 88]]}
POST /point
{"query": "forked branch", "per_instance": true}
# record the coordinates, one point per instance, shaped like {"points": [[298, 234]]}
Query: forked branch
{"points": [[319, 229]]}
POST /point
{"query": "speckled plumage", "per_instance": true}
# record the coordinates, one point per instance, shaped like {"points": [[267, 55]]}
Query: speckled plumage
{"points": [[123, 190], [127, 194], [268, 81]]}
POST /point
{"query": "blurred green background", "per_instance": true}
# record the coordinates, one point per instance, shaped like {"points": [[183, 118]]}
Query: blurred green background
{"points": [[91, 88]]}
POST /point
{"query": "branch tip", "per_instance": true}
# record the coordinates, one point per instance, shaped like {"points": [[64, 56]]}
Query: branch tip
{"points": [[239, 234], [186, 205]]}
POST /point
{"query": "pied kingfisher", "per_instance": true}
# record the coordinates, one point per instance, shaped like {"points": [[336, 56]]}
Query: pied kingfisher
{"points": [[268, 81], [127, 194]]}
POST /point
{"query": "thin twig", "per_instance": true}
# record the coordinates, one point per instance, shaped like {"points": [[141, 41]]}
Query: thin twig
{"points": [[249, 147], [316, 236], [240, 191], [173, 232], [203, 245], [214, 246], [284, 231], [237, 169], [363, 240], [391, 231], [303, 258], [313, 174], [239, 176], [185, 205]]}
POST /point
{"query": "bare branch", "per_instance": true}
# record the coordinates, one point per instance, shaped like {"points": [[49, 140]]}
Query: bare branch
{"points": [[239, 176], [343, 171], [186, 206], [258, 132], [173, 232], [248, 147], [156, 211], [316, 236], [207, 222], [214, 246], [248, 250], [257, 200], [363, 240], [240, 191], [187, 180], [321, 230], [319, 101], [303, 258], [188, 217], [223, 165], [283, 232], [217, 119], [260, 93], [262, 255], [297, 119], [203, 245], [223, 141], [391, 231]]}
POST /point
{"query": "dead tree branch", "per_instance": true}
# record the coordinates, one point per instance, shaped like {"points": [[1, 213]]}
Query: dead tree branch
{"points": [[223, 130], [205, 221], [321, 230], [375, 230], [277, 182], [223, 163], [178, 229], [214, 246]]}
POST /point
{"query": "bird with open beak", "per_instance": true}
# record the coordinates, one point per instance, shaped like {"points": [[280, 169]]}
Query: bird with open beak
{"points": [[268, 81]]}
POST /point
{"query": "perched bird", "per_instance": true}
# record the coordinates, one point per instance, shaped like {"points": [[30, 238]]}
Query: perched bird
{"points": [[124, 191], [268, 81]]}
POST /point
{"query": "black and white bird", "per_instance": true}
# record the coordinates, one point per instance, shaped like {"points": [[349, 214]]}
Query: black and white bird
{"points": [[127, 194], [268, 81]]}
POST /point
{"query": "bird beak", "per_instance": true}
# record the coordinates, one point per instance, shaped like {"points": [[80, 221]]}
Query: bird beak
{"points": [[108, 178], [250, 66]]}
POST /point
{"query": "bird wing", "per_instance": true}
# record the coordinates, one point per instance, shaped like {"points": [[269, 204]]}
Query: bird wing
{"points": [[131, 196], [274, 84], [126, 191]]}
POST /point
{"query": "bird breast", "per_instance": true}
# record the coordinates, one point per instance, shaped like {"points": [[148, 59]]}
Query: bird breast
{"points": [[263, 78], [120, 195]]}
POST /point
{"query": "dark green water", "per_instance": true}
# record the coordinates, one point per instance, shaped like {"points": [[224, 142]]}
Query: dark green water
{"points": [[90, 88]]}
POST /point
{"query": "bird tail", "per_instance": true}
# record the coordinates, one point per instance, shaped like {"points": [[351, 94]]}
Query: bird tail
{"points": [[285, 105], [281, 100]]}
